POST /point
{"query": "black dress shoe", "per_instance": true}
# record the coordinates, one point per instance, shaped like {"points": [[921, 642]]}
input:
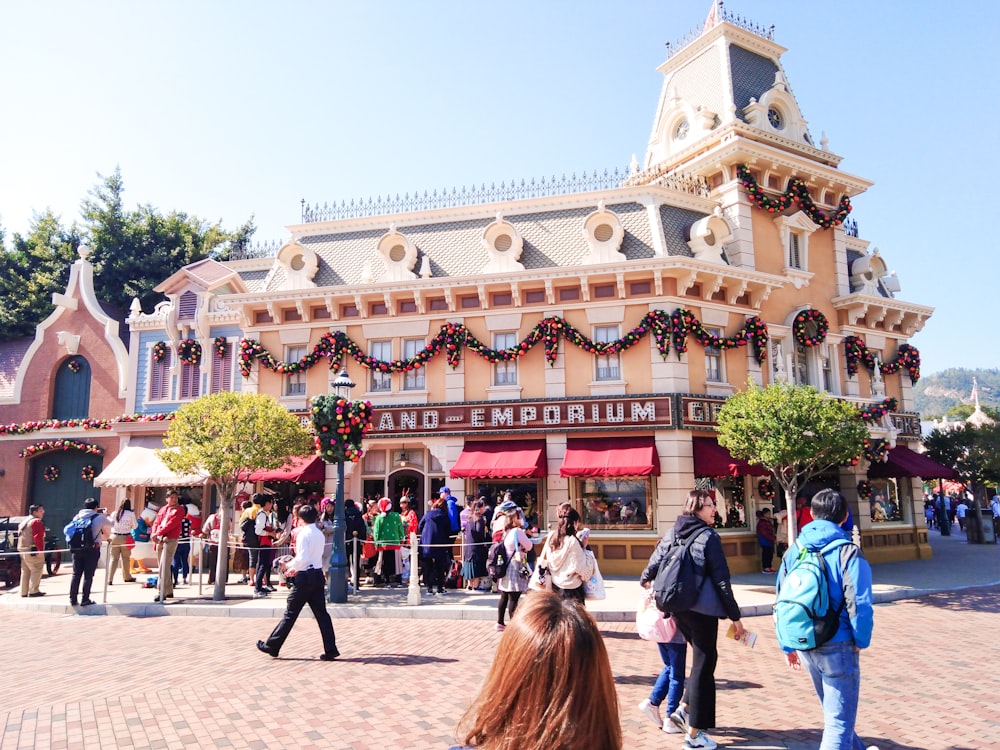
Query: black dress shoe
{"points": [[73, 603], [329, 656], [38, 593], [87, 602], [264, 648], [158, 599]]}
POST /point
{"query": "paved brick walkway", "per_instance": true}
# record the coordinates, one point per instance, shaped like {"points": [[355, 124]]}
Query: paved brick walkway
{"points": [[930, 681]]}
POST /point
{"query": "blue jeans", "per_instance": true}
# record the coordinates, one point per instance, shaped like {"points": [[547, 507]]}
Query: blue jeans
{"points": [[836, 674], [670, 683]]}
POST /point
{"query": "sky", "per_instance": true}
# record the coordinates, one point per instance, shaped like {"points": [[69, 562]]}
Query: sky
{"points": [[228, 110]]}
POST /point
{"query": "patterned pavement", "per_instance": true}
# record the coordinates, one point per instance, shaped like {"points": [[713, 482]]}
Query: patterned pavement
{"points": [[929, 681]]}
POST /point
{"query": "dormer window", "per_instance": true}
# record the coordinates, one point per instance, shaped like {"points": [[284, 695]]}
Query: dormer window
{"points": [[682, 130], [187, 306], [775, 118]]}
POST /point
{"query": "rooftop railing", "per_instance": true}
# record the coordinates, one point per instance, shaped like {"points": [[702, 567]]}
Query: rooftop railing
{"points": [[726, 16]]}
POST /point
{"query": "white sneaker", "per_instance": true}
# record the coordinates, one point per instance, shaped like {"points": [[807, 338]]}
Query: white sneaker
{"points": [[700, 740], [669, 728], [653, 712]]}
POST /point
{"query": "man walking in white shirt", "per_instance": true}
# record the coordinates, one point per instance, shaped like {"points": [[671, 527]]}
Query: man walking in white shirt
{"points": [[307, 570]]}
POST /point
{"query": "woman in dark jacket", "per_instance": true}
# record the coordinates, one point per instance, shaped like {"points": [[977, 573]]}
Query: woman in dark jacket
{"points": [[700, 624], [435, 545], [475, 546]]}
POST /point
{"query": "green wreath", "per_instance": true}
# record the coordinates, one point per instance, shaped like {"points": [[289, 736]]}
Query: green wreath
{"points": [[802, 320]]}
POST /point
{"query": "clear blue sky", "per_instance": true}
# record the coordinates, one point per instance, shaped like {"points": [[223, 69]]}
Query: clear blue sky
{"points": [[230, 109]]}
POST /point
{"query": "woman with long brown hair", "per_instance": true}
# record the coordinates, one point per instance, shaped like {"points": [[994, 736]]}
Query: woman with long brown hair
{"points": [[566, 556], [562, 698]]}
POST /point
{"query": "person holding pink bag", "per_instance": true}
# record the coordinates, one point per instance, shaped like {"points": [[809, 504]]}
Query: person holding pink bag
{"points": [[653, 625]]}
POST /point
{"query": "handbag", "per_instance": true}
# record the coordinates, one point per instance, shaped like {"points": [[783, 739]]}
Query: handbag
{"points": [[540, 579], [593, 587], [650, 622]]}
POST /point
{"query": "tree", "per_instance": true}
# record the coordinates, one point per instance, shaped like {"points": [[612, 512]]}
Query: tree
{"points": [[793, 431], [36, 266], [973, 451], [229, 435]]}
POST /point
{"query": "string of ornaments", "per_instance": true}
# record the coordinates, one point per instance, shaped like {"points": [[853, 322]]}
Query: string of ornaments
{"points": [[856, 353], [796, 194], [667, 329]]}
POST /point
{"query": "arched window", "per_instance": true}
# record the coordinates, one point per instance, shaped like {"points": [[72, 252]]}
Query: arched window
{"points": [[71, 394]]}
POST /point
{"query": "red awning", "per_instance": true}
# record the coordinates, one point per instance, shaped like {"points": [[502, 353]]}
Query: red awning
{"points": [[713, 460], [903, 462], [501, 460], [298, 469], [610, 457]]}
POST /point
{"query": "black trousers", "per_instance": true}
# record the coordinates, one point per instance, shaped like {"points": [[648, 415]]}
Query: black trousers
{"points": [[434, 573], [576, 594], [310, 588], [84, 566], [262, 577], [702, 633]]}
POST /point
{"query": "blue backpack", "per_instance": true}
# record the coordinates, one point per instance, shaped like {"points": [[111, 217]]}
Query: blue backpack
{"points": [[804, 615], [79, 534]]}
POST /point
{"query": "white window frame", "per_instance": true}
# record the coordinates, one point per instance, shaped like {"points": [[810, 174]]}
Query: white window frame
{"points": [[607, 367], [715, 355], [380, 382], [295, 384], [415, 379], [505, 372]]}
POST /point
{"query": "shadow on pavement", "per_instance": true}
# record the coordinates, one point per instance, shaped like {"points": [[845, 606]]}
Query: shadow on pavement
{"points": [[397, 660], [985, 599]]}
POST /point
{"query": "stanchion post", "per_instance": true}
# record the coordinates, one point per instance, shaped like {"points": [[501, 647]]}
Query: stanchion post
{"points": [[413, 593]]}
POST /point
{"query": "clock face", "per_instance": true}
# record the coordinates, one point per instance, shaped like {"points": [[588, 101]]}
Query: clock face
{"points": [[774, 117], [681, 131]]}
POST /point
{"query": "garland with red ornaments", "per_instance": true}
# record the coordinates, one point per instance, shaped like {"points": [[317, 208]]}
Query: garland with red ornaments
{"points": [[797, 193], [800, 327], [221, 346], [453, 337], [340, 426], [875, 412], [765, 488], [856, 353], [189, 352], [864, 490], [45, 446], [24, 428]]}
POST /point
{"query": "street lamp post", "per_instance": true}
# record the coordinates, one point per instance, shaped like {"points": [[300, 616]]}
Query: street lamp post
{"points": [[337, 584]]}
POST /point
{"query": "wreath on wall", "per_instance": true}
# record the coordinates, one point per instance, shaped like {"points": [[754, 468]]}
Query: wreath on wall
{"points": [[159, 351], [765, 488], [665, 328], [51, 473], [189, 352], [340, 425], [797, 193], [87, 473], [74, 366], [864, 490], [221, 346], [800, 327]]}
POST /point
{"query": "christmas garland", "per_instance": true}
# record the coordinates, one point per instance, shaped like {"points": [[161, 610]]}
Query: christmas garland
{"points": [[159, 351], [453, 337], [340, 426], [87, 473], [765, 488], [60, 445], [875, 412], [24, 428], [74, 366], [797, 192], [802, 320], [856, 353], [189, 352], [876, 450], [864, 490], [221, 346], [51, 473]]}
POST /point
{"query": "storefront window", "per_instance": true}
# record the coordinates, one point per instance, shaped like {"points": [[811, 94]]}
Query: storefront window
{"points": [[615, 503], [523, 492], [889, 500], [730, 508]]}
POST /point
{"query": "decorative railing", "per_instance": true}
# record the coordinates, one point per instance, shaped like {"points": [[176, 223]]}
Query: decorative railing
{"points": [[723, 15], [247, 251]]}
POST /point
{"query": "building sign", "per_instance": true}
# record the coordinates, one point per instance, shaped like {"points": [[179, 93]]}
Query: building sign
{"points": [[700, 412], [907, 424], [513, 417]]}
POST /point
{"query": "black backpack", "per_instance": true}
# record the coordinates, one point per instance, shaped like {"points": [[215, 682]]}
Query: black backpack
{"points": [[497, 561], [79, 534], [249, 528], [678, 581]]}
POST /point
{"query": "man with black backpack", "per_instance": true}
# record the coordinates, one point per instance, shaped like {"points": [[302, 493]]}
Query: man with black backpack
{"points": [[828, 650], [84, 535]]}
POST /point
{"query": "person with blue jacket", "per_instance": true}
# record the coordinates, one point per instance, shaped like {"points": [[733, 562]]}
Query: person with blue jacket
{"points": [[454, 514], [835, 666]]}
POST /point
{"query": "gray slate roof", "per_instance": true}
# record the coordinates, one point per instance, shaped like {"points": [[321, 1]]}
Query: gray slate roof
{"points": [[752, 76]]}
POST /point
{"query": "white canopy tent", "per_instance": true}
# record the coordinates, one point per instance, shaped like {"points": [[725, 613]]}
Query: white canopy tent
{"points": [[141, 466]]}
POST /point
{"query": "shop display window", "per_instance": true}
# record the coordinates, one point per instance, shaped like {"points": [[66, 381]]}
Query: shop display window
{"points": [[615, 503]]}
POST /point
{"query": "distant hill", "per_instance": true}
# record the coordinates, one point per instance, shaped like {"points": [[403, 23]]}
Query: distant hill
{"points": [[935, 394]]}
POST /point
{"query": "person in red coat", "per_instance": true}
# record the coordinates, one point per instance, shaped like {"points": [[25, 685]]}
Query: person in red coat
{"points": [[766, 537]]}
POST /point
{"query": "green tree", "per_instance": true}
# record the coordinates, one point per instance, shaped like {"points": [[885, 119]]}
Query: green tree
{"points": [[793, 431], [973, 451], [134, 250], [36, 265], [228, 435]]}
